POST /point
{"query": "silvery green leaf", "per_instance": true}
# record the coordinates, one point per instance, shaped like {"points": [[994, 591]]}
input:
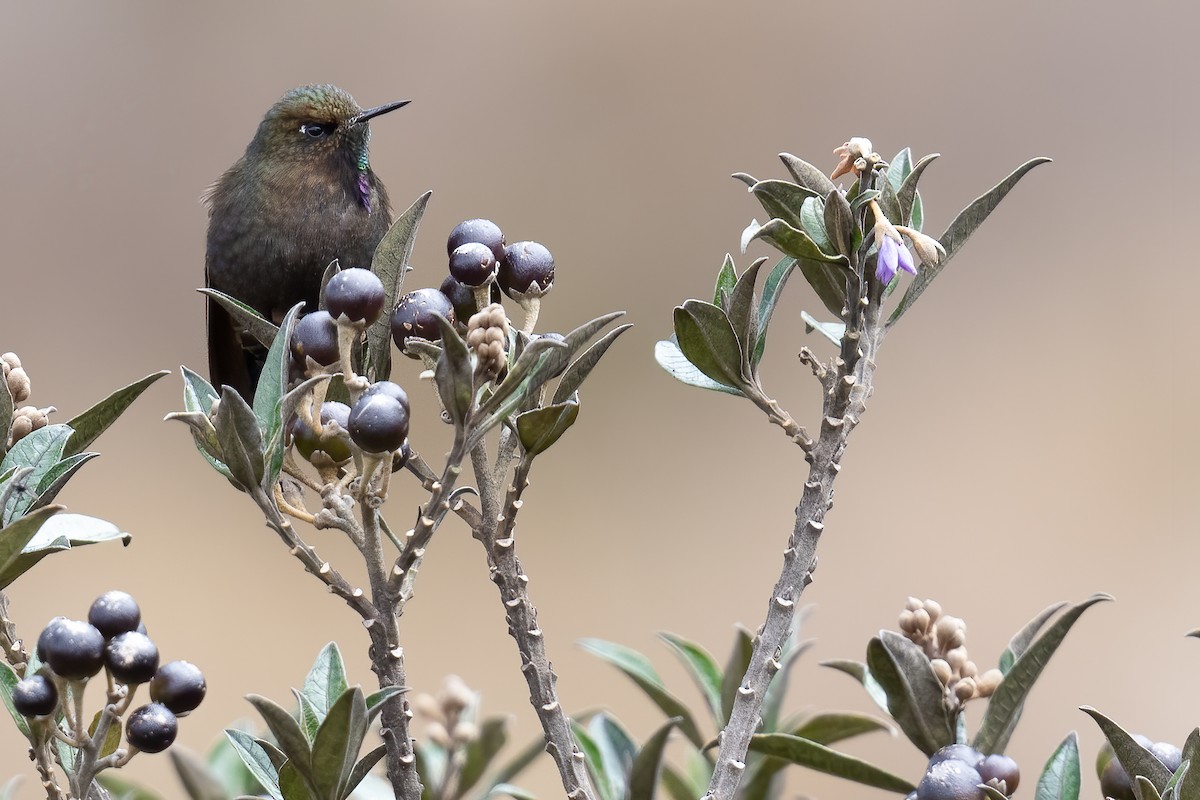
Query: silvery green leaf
{"points": [[389, 263], [907, 195], [833, 331], [914, 693], [246, 317], [241, 441], [579, 369], [772, 289], [782, 199], [89, 424], [1060, 777], [540, 428], [956, 235], [671, 358], [707, 339], [808, 176], [59, 532], [41, 450], [726, 278]]}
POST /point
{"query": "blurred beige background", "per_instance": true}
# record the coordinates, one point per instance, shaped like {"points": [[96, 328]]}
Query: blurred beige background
{"points": [[1033, 433]]}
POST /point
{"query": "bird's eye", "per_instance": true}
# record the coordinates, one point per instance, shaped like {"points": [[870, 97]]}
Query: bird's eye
{"points": [[316, 130]]}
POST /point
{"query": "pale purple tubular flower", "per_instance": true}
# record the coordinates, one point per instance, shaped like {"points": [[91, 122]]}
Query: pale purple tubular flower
{"points": [[892, 258]]}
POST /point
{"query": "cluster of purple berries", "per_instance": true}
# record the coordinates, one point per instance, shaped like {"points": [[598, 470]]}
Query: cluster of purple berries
{"points": [[957, 771], [481, 266], [113, 639]]}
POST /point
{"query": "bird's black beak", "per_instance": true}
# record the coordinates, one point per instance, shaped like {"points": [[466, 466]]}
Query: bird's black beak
{"points": [[364, 116]]}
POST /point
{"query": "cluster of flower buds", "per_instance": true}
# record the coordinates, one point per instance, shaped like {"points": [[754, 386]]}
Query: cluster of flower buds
{"points": [[487, 338], [958, 772], [113, 639], [448, 716], [943, 638], [856, 157], [26, 418]]}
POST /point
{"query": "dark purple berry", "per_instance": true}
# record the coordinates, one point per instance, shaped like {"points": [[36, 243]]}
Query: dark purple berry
{"points": [[1001, 768], [335, 445], [73, 649], [179, 686], [473, 264], [35, 696], [378, 423], [950, 780], [524, 264], [151, 728], [356, 294], [401, 457], [131, 657], [481, 231], [1115, 783], [463, 298], [46, 634], [114, 613], [957, 752], [388, 389], [414, 316], [315, 336], [1170, 755]]}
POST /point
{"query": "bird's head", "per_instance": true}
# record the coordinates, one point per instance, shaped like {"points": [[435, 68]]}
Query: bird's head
{"points": [[317, 122]]}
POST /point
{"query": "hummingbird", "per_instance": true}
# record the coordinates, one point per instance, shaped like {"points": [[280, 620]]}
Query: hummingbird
{"points": [[302, 195]]}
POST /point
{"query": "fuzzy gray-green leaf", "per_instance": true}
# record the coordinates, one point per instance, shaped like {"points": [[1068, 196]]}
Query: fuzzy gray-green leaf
{"points": [[16, 535], [907, 193], [88, 425], [782, 200], [643, 777], [286, 730], [735, 668], [540, 428], [772, 289], [335, 748], [703, 670], [246, 317], [256, 760], [639, 670], [741, 311], [59, 532], [830, 727], [1004, 706], [241, 441], [493, 734], [41, 450], [389, 263], [823, 759], [197, 778], [808, 176], [1023, 638], [839, 222], [671, 358], [268, 396], [326, 679], [914, 693], [1136, 759], [726, 279], [794, 242], [1060, 776], [6, 415], [579, 369], [454, 374], [707, 339], [959, 231]]}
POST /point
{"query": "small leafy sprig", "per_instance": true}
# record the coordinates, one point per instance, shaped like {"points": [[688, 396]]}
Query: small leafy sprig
{"points": [[492, 382], [804, 739], [48, 702], [850, 246]]}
